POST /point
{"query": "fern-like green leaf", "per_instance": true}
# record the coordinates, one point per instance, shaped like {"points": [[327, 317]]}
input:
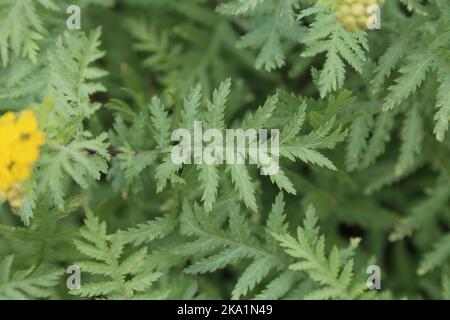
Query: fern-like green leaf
{"points": [[105, 259], [32, 283]]}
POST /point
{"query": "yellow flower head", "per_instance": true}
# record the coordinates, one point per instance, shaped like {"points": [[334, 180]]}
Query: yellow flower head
{"points": [[20, 141]]}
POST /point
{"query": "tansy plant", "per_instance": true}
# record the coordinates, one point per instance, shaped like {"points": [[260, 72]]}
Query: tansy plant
{"points": [[361, 115]]}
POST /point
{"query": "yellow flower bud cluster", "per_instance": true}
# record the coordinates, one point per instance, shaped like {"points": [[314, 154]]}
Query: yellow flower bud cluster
{"points": [[353, 15], [20, 142]]}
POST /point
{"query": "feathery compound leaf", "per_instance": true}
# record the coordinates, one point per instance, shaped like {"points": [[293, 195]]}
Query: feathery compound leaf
{"points": [[33, 283], [209, 183], [305, 148], [190, 108], [217, 247], [425, 53], [327, 35], [442, 116], [161, 123], [254, 273], [262, 115], [333, 273], [269, 31], [72, 77], [412, 76], [216, 108], [166, 172], [387, 63], [209, 173], [21, 27], [244, 185], [438, 256], [277, 288], [149, 231], [80, 159], [288, 143], [123, 278], [276, 219]]}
